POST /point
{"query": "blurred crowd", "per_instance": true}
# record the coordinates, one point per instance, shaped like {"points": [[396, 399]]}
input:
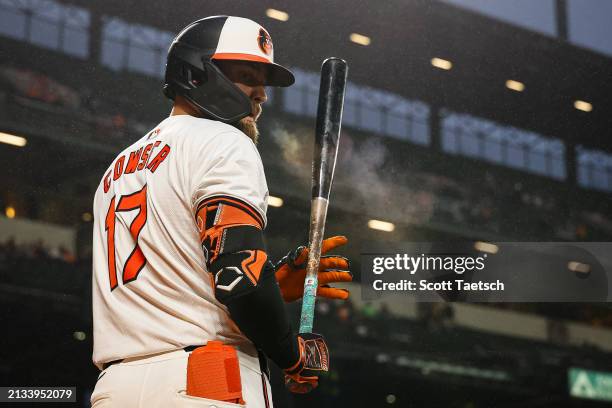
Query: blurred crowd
{"points": [[11, 251], [593, 314], [99, 119], [370, 320], [515, 209]]}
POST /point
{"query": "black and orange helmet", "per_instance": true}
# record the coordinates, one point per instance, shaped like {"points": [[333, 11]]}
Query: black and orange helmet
{"points": [[190, 70]]}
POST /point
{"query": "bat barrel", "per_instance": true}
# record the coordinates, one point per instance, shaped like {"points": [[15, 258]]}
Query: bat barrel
{"points": [[329, 117]]}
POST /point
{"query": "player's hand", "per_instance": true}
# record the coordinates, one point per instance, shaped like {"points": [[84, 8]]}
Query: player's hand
{"points": [[291, 272], [303, 377]]}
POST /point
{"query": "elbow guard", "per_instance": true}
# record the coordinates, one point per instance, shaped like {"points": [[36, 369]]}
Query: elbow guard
{"points": [[232, 240]]}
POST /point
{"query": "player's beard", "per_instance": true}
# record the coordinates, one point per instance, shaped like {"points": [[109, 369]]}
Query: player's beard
{"points": [[248, 126]]}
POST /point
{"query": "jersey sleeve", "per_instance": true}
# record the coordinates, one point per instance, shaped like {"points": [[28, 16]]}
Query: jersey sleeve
{"points": [[229, 166]]}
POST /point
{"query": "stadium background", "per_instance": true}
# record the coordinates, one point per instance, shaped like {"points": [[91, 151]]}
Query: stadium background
{"points": [[464, 120]]}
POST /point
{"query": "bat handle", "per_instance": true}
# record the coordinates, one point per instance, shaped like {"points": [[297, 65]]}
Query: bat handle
{"points": [[317, 229]]}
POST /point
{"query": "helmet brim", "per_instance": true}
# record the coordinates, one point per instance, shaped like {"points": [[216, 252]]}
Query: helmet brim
{"points": [[279, 75]]}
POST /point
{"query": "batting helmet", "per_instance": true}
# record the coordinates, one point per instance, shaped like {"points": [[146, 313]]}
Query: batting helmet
{"points": [[190, 70]]}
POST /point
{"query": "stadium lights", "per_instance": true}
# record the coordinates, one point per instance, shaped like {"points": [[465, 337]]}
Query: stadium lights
{"points": [[79, 335], [12, 139], [390, 399], [381, 225], [515, 85], [275, 201], [583, 106], [277, 14], [486, 247], [441, 63], [360, 39], [10, 212], [578, 267]]}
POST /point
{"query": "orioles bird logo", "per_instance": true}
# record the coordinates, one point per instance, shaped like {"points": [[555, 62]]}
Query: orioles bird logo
{"points": [[264, 41]]}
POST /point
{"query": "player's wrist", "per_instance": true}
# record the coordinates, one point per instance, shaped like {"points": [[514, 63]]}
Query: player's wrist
{"points": [[287, 354]]}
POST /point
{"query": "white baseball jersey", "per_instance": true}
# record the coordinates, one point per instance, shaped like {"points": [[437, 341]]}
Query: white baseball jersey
{"points": [[151, 290]]}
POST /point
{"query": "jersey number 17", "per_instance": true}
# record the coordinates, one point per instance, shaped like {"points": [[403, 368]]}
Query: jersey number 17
{"points": [[136, 260]]}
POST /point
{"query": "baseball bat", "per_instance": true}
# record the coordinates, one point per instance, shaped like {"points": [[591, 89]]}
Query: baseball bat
{"points": [[327, 135]]}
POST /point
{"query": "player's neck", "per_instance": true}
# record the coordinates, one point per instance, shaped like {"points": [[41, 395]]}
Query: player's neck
{"points": [[182, 107], [178, 110]]}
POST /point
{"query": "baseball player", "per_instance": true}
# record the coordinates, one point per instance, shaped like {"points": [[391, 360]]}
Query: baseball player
{"points": [[186, 303]]}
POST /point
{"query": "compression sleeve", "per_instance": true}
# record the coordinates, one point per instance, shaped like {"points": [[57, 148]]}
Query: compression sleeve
{"points": [[232, 240]]}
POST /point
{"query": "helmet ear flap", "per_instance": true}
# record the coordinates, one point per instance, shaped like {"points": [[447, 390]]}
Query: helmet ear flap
{"points": [[181, 77], [174, 78]]}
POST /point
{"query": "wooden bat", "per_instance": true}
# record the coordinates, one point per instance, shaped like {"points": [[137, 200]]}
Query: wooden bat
{"points": [[329, 118]]}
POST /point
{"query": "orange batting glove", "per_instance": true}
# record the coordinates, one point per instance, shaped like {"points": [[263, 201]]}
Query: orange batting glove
{"points": [[291, 272]]}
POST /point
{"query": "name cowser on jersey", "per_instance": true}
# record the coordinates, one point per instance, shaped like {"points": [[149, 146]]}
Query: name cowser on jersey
{"points": [[151, 290]]}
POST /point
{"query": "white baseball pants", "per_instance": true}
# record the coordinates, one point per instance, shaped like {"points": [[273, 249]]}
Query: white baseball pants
{"points": [[160, 381]]}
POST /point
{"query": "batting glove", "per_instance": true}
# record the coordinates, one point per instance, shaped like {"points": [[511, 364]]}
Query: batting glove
{"points": [[303, 377], [290, 272]]}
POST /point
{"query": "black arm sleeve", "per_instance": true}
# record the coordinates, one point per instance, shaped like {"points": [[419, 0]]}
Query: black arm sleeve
{"points": [[259, 311]]}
